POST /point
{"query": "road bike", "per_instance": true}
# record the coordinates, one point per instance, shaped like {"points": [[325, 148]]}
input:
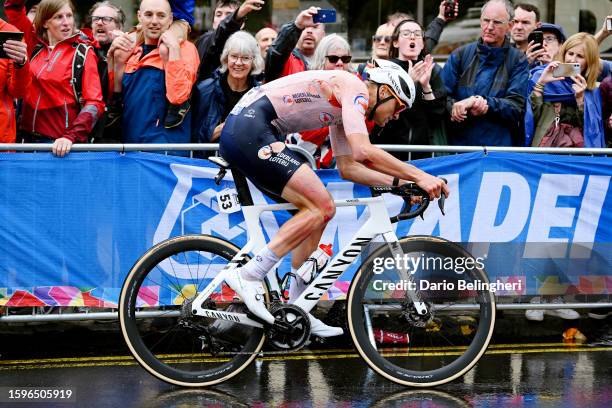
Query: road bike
{"points": [[185, 326]]}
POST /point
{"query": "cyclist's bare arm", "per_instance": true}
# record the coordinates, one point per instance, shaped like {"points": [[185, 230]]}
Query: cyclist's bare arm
{"points": [[377, 165]]}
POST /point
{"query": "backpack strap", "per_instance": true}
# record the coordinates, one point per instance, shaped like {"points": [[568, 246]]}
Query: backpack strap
{"points": [[78, 68], [37, 49]]}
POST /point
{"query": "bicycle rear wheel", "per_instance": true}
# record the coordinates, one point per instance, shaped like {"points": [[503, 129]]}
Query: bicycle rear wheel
{"points": [[408, 348], [165, 338]]}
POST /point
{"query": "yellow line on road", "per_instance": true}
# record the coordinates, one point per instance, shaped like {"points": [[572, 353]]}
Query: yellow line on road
{"points": [[111, 361]]}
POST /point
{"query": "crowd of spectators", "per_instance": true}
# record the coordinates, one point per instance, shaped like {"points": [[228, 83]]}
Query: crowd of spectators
{"points": [[111, 82]]}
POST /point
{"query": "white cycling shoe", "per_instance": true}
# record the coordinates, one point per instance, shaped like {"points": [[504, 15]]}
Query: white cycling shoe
{"points": [[252, 294], [320, 329]]}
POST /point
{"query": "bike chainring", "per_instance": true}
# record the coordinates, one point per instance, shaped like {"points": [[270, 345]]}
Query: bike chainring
{"points": [[291, 329]]}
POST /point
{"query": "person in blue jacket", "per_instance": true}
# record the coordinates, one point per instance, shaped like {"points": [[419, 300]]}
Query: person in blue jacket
{"points": [[215, 97], [486, 83]]}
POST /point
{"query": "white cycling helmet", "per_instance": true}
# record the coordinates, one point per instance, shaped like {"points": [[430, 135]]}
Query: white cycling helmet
{"points": [[390, 74]]}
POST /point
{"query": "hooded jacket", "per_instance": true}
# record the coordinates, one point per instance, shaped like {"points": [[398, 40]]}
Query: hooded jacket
{"points": [[50, 108]]}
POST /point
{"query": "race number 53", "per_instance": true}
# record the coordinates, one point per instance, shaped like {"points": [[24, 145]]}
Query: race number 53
{"points": [[228, 201]]}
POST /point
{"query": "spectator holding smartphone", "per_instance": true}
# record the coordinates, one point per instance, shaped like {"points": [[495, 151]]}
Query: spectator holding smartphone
{"points": [[295, 46], [572, 104], [553, 36], [51, 112], [14, 82]]}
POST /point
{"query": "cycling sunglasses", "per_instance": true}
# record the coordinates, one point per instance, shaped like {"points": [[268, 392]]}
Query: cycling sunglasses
{"points": [[401, 105], [334, 58]]}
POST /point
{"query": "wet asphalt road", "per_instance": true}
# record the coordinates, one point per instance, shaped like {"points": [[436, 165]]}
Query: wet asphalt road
{"points": [[526, 375]]}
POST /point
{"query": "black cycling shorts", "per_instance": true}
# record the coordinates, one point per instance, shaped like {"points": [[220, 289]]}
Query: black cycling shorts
{"points": [[245, 144]]}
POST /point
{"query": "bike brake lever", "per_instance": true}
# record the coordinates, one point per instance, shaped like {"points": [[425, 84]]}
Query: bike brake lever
{"points": [[441, 203], [442, 198]]}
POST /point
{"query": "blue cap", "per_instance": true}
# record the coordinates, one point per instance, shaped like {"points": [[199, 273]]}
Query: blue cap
{"points": [[555, 29]]}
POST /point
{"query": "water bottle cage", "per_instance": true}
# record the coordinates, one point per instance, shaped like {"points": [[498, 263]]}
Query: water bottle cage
{"points": [[315, 269]]}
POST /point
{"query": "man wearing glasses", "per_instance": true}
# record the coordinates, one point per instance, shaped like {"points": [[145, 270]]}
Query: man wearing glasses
{"points": [[487, 83]]}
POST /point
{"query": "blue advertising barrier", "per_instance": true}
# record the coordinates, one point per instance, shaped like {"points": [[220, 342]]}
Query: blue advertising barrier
{"points": [[73, 227]]}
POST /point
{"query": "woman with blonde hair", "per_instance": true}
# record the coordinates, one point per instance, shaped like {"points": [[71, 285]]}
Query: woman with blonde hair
{"points": [[566, 110]]}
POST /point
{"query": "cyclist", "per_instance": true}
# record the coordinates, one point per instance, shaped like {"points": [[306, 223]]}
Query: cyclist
{"points": [[251, 141]]}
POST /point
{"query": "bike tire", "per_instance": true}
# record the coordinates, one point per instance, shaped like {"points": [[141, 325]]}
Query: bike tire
{"points": [[441, 351], [161, 344]]}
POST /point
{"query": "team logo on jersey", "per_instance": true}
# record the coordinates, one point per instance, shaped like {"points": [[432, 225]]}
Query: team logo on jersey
{"points": [[265, 153], [361, 103], [250, 114], [326, 118], [288, 100]]}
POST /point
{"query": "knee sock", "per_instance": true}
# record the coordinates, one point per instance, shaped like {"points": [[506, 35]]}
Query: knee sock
{"points": [[297, 286], [258, 267]]}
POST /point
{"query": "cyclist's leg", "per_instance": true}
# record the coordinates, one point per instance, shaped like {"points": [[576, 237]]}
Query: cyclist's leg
{"points": [[315, 208], [303, 231]]}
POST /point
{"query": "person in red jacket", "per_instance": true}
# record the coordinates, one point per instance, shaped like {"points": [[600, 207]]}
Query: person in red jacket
{"points": [[14, 82], [51, 113]]}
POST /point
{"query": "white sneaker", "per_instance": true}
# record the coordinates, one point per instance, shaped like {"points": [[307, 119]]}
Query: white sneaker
{"points": [[320, 329], [536, 315], [251, 293], [568, 314]]}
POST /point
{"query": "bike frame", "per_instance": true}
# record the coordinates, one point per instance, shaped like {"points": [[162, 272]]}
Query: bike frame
{"points": [[378, 223]]}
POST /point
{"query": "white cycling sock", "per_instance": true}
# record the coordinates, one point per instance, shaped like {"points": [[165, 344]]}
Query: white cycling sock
{"points": [[296, 287], [258, 267]]}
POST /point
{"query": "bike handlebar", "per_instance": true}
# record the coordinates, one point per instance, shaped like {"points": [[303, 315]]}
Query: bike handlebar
{"points": [[407, 192]]}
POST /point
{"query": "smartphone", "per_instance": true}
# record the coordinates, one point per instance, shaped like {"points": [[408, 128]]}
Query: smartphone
{"points": [[567, 70], [8, 35], [537, 36], [449, 9], [325, 16], [609, 23]]}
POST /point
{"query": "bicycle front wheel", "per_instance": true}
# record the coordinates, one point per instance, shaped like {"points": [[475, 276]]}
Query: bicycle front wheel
{"points": [[399, 342], [156, 320]]}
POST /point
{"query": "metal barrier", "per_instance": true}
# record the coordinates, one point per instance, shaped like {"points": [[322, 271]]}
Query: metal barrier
{"points": [[38, 315]]}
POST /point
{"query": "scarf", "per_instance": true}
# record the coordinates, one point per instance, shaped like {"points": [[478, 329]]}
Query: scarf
{"points": [[561, 91]]}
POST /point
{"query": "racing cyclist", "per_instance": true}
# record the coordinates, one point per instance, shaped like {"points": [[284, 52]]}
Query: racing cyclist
{"points": [[252, 142]]}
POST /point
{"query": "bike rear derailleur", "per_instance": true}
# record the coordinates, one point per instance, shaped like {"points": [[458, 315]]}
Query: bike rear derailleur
{"points": [[291, 329]]}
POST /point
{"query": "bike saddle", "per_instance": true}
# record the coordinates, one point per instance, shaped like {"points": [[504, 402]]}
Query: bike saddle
{"points": [[219, 161]]}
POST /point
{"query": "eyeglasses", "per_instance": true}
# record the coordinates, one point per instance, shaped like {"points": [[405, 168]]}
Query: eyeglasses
{"points": [[105, 20], [496, 23], [244, 59], [334, 58], [550, 39], [408, 33], [381, 38]]}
